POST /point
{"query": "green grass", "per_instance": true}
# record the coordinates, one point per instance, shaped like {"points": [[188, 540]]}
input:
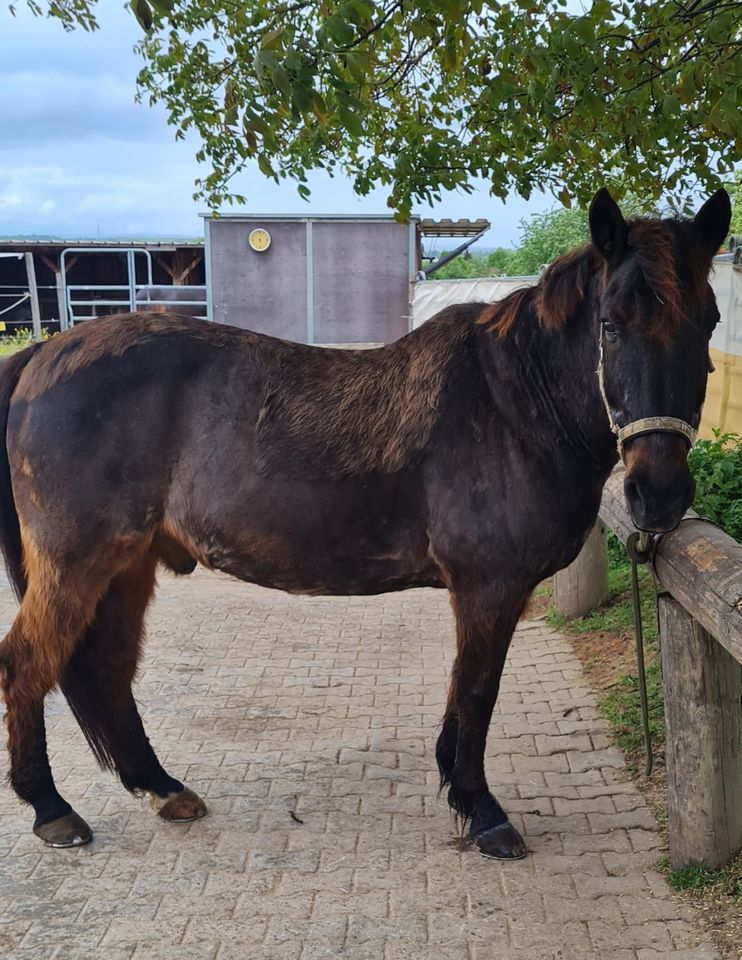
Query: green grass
{"points": [[617, 614], [622, 708], [14, 342], [727, 881], [716, 466]]}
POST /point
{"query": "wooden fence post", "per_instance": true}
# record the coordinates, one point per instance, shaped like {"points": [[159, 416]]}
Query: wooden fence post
{"points": [[703, 718], [583, 585]]}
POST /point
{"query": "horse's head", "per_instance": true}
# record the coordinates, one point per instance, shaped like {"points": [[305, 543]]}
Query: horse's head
{"points": [[656, 312]]}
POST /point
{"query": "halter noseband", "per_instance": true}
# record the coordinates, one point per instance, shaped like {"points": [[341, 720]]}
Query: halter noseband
{"points": [[638, 428]]}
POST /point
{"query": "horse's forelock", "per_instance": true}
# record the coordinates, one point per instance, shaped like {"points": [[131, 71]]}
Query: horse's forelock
{"points": [[671, 273]]}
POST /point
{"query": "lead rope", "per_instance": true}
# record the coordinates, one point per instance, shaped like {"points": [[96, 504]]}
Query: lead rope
{"points": [[642, 548], [639, 547]]}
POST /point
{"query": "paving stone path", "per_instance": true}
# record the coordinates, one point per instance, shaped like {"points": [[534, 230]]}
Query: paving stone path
{"points": [[309, 727]]}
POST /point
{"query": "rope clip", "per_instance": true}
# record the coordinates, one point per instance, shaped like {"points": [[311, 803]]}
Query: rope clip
{"points": [[641, 546]]}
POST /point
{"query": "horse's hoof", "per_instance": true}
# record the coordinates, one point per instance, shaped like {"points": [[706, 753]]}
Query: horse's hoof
{"points": [[67, 831], [501, 843], [181, 807]]}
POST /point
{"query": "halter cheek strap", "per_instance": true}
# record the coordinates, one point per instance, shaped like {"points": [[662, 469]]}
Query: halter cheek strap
{"points": [[646, 425]]}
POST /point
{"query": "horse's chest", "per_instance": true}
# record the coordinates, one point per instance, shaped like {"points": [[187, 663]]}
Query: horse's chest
{"points": [[525, 518]]}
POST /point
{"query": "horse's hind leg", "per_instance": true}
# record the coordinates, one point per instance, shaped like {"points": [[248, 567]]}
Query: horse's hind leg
{"points": [[97, 684], [32, 658], [485, 621]]}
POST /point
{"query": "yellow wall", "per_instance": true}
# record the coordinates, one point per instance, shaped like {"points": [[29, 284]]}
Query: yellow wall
{"points": [[723, 407]]}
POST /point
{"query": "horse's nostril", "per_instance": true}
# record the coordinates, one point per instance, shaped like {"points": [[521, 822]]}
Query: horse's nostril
{"points": [[633, 494], [657, 502]]}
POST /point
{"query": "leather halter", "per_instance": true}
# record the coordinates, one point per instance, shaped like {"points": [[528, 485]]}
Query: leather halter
{"points": [[645, 425]]}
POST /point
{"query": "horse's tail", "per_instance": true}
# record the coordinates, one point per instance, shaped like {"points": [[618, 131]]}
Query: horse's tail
{"points": [[10, 531]]}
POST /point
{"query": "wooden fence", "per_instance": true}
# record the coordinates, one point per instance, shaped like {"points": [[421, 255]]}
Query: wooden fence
{"points": [[700, 635]]}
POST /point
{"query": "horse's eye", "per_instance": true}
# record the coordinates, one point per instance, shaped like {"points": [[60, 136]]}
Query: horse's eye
{"points": [[609, 330]]}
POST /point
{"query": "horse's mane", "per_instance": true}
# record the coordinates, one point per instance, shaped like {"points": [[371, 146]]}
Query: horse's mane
{"points": [[668, 266]]}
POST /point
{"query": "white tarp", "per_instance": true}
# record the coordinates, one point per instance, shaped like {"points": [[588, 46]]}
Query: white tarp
{"points": [[430, 296], [726, 281]]}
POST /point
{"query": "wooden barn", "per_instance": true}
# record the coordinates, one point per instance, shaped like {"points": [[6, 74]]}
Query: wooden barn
{"points": [[79, 279]]}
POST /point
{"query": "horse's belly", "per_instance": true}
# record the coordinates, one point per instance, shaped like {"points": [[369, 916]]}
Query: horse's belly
{"points": [[339, 539], [346, 576]]}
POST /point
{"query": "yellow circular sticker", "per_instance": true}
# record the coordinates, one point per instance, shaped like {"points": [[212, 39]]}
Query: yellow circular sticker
{"points": [[259, 239]]}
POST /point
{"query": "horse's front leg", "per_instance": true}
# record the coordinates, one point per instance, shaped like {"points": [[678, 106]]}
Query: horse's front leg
{"points": [[485, 621]]}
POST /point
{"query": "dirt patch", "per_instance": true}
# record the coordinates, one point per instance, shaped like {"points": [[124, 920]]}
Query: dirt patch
{"points": [[538, 603]]}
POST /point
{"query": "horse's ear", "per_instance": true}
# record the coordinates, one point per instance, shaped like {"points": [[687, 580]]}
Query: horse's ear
{"points": [[711, 223], [608, 229]]}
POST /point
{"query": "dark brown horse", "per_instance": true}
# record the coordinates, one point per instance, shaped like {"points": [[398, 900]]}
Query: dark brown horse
{"points": [[469, 455]]}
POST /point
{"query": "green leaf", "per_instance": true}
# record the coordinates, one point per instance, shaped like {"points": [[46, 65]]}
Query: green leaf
{"points": [[301, 98], [671, 106], [293, 61], [281, 81], [585, 29], [271, 40], [351, 121], [320, 107], [143, 13], [359, 11], [530, 94], [265, 167], [340, 31]]}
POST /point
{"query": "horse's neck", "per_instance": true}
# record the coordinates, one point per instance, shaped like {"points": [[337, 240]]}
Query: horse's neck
{"points": [[559, 372], [570, 359]]}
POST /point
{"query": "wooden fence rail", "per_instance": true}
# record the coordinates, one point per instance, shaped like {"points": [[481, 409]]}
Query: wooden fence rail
{"points": [[700, 633]]}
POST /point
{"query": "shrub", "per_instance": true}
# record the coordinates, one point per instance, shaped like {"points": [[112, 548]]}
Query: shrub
{"points": [[716, 466]]}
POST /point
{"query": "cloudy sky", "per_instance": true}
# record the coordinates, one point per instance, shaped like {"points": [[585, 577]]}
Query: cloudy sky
{"points": [[78, 158]]}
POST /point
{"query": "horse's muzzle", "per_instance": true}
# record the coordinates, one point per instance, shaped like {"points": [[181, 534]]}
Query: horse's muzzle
{"points": [[658, 485]]}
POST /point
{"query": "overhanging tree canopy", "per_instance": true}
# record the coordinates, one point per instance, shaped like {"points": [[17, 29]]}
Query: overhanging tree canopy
{"points": [[428, 95]]}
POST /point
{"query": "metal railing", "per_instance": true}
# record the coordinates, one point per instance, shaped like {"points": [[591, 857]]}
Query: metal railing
{"points": [[128, 295], [129, 289]]}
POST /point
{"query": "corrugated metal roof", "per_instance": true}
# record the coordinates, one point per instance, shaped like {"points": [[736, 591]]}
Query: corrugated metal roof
{"points": [[21, 245], [427, 227], [453, 228], [303, 217]]}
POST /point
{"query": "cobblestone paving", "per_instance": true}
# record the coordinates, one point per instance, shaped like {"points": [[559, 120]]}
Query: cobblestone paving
{"points": [[270, 705]]}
